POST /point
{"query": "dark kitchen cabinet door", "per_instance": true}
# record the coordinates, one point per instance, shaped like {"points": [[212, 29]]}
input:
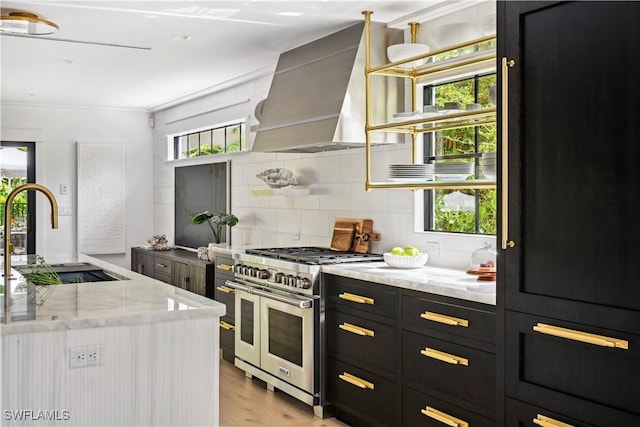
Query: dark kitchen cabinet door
{"points": [[142, 262], [573, 151]]}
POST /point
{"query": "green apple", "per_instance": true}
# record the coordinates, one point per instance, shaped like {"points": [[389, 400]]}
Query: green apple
{"points": [[410, 251], [397, 251]]}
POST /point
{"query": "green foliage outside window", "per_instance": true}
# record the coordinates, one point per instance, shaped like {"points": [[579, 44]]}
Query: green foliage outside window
{"points": [[465, 144], [222, 139]]}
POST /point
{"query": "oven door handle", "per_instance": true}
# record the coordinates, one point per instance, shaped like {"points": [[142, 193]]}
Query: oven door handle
{"points": [[300, 303]]}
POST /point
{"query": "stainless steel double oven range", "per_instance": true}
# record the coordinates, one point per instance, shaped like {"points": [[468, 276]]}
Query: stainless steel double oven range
{"points": [[278, 316]]}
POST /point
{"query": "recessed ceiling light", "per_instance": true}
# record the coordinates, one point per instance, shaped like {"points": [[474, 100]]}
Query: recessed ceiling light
{"points": [[289, 13], [26, 23], [181, 37], [65, 61], [29, 94]]}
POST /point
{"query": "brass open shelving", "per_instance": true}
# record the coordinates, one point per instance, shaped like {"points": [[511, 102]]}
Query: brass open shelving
{"points": [[429, 71]]}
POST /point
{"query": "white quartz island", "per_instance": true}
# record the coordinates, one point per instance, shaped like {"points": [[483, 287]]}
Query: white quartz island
{"points": [[150, 352]]}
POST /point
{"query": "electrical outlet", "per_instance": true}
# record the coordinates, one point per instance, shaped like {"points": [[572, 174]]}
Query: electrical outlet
{"points": [[433, 248], [64, 188], [64, 210], [295, 235], [86, 355]]}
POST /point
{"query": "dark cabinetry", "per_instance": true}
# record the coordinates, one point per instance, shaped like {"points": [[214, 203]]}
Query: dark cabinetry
{"points": [[225, 295], [177, 267], [572, 305], [363, 351], [404, 358]]}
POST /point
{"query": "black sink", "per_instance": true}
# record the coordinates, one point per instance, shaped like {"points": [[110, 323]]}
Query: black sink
{"points": [[74, 273]]}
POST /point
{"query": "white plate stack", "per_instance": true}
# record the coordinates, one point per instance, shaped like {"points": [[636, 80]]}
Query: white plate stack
{"points": [[411, 173], [453, 171], [488, 165]]}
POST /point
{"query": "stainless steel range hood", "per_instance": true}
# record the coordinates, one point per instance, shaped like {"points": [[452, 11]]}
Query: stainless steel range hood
{"points": [[317, 97]]}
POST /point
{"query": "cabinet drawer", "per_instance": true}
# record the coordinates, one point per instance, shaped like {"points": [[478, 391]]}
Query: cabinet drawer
{"points": [[226, 295], [429, 314], [358, 340], [599, 383], [453, 369], [372, 397], [419, 409], [224, 266], [162, 270], [362, 296], [227, 339], [523, 415]]}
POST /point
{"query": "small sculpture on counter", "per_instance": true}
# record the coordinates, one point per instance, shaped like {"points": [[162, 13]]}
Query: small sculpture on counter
{"points": [[203, 253], [159, 243], [277, 177]]}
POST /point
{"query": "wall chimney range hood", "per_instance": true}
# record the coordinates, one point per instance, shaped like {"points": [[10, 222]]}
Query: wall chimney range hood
{"points": [[317, 97]]}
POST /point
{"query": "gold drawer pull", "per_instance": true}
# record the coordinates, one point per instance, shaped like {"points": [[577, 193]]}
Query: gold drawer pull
{"points": [[443, 417], [356, 298], [358, 382], [444, 357], [586, 337], [447, 320], [161, 265], [543, 421], [226, 267], [227, 326], [226, 289], [356, 329]]}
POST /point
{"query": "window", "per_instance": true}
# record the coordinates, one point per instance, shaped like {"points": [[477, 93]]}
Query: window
{"points": [[225, 138], [461, 211]]}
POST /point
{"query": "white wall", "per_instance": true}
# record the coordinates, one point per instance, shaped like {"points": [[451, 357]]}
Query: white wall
{"points": [[335, 180], [56, 163]]}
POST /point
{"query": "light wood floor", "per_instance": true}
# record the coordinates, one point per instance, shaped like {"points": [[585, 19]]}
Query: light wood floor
{"points": [[247, 402]]}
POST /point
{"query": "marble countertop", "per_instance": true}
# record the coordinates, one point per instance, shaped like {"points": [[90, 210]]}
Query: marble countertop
{"points": [[436, 280], [140, 299]]}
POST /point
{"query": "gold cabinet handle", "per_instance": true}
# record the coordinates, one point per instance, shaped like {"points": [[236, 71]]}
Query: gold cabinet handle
{"points": [[356, 298], [356, 329], [226, 289], [506, 64], [447, 320], [444, 357], [161, 265], [543, 421], [444, 418], [358, 382], [225, 267], [227, 326], [585, 337]]}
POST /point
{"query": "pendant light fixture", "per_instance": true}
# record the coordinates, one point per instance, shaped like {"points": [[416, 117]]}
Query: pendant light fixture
{"points": [[26, 23]]}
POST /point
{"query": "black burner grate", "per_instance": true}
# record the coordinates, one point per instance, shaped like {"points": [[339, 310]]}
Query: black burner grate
{"points": [[314, 255]]}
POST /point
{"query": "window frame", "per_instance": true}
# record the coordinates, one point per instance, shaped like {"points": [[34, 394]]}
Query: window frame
{"points": [[178, 141], [429, 144]]}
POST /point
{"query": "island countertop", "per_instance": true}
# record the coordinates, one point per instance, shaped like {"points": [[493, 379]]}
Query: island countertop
{"points": [[87, 305]]}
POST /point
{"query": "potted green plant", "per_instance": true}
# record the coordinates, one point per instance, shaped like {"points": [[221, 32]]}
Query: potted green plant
{"points": [[215, 221]]}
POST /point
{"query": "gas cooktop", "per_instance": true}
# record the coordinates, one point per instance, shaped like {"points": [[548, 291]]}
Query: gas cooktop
{"points": [[314, 255]]}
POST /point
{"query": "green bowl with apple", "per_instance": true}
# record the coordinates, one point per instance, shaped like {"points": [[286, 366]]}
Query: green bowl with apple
{"points": [[407, 257]]}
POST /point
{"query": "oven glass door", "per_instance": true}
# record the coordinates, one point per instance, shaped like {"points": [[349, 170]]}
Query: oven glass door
{"points": [[247, 337], [286, 339]]}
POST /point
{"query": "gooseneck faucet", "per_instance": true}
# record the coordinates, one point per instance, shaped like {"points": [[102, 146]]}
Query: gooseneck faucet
{"points": [[8, 247]]}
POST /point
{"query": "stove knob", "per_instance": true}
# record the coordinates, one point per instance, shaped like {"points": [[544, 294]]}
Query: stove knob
{"points": [[253, 271], [279, 278], [291, 280], [245, 270], [262, 274], [304, 283], [237, 268]]}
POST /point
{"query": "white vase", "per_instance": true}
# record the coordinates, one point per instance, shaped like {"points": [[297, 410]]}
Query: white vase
{"points": [[212, 249]]}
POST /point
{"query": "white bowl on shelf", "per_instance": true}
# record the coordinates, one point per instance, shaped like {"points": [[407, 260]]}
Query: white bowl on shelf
{"points": [[399, 52], [405, 261]]}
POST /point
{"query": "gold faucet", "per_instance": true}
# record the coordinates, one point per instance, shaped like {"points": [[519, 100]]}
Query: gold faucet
{"points": [[8, 247]]}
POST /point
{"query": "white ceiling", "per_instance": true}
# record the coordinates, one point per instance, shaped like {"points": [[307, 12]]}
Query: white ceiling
{"points": [[149, 69]]}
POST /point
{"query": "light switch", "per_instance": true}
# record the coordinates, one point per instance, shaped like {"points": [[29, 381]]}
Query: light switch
{"points": [[64, 188]]}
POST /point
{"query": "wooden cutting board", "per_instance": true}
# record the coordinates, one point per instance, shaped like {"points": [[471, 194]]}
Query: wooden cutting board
{"points": [[353, 234], [343, 233]]}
